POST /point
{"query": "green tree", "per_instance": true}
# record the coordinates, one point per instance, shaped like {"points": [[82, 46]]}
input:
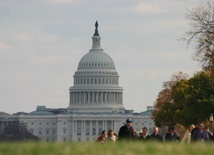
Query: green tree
{"points": [[192, 102], [194, 99], [197, 99], [17, 132]]}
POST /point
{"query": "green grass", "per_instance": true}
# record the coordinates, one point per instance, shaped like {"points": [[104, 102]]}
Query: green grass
{"points": [[40, 148]]}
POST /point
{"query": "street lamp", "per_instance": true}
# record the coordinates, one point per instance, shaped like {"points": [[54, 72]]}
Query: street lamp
{"points": [[211, 121]]}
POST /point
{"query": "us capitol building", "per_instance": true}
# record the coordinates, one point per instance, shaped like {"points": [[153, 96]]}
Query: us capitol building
{"points": [[96, 104]]}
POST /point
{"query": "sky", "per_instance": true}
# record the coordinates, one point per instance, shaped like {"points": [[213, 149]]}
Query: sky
{"points": [[42, 42]]}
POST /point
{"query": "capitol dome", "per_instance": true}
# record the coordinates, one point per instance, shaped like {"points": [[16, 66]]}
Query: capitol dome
{"points": [[96, 60], [96, 83]]}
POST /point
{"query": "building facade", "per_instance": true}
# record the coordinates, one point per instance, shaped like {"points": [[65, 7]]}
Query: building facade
{"points": [[96, 104]]}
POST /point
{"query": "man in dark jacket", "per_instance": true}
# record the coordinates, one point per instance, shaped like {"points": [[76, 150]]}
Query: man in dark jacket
{"points": [[144, 137], [126, 132], [199, 135], [155, 136], [172, 136]]}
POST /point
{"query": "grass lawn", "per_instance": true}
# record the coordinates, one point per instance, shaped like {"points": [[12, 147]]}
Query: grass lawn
{"points": [[136, 148]]}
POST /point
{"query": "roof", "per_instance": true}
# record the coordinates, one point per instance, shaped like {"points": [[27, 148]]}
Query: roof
{"points": [[41, 112]]}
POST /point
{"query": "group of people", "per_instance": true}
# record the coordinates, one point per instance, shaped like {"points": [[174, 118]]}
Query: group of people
{"points": [[126, 132]]}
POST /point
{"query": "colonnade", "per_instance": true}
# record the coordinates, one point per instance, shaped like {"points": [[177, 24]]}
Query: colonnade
{"points": [[91, 127], [96, 97]]}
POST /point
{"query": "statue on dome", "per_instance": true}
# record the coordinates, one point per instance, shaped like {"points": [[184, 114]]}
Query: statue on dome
{"points": [[96, 30], [96, 25]]}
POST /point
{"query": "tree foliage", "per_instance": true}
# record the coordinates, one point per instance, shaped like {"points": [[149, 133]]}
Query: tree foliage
{"points": [[17, 132], [193, 101], [164, 104], [201, 34]]}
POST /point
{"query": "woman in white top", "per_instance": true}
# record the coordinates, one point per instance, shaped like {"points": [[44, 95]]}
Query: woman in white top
{"points": [[187, 135], [111, 137]]}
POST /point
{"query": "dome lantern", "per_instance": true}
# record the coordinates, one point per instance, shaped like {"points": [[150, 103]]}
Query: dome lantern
{"points": [[96, 39]]}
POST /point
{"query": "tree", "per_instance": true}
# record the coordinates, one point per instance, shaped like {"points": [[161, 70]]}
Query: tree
{"points": [[17, 132], [196, 99], [192, 101], [164, 104], [202, 34]]}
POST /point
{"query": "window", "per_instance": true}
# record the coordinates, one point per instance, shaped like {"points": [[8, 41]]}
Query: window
{"points": [[87, 131], [100, 131], [47, 131], [64, 131], [78, 131], [94, 131], [54, 131]]}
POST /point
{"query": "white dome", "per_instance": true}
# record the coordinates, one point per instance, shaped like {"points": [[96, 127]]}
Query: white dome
{"points": [[96, 60], [96, 83]]}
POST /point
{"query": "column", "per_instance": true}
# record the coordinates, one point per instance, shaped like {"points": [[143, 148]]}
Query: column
{"points": [[121, 97], [97, 132], [105, 97], [73, 128], [97, 97], [112, 125], [103, 125], [72, 98], [101, 97], [77, 97], [90, 128], [92, 97], [82, 127], [89, 97], [84, 97], [80, 99]]}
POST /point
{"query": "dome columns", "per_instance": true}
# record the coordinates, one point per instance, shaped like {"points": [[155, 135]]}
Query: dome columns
{"points": [[95, 97]]}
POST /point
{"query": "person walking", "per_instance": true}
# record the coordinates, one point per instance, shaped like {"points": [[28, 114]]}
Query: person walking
{"points": [[111, 137], [102, 138], [187, 135], [144, 137], [126, 132], [155, 136], [199, 134], [172, 136]]}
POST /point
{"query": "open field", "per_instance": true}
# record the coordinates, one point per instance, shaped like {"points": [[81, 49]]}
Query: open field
{"points": [[39, 148]]}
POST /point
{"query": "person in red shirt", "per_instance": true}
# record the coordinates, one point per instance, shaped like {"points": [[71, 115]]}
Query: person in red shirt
{"points": [[103, 137]]}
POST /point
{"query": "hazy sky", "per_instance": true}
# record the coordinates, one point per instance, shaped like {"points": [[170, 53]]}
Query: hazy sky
{"points": [[42, 41]]}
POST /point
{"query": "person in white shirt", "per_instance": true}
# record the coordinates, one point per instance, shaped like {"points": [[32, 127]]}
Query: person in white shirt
{"points": [[187, 135]]}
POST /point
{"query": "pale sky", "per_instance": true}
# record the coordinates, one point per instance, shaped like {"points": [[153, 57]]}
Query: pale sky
{"points": [[42, 41]]}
